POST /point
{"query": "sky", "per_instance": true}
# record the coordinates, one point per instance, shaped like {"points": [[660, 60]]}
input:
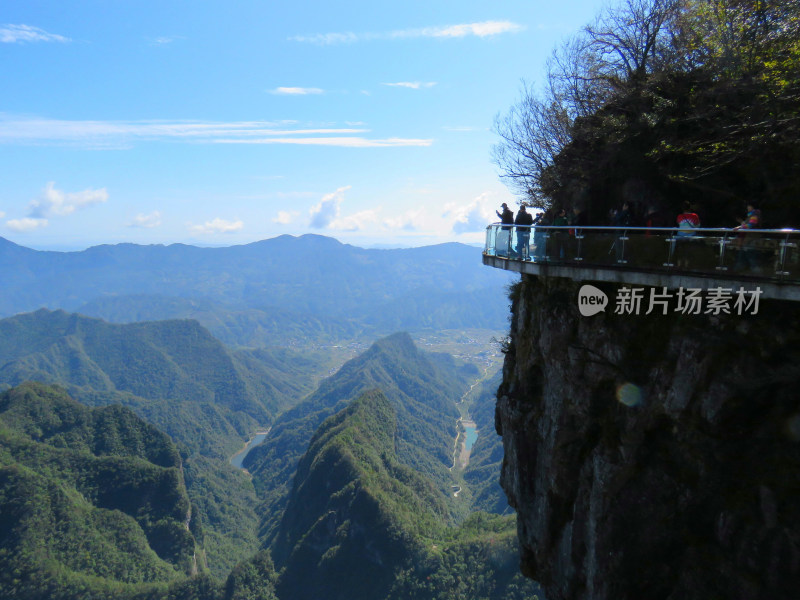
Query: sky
{"points": [[222, 123]]}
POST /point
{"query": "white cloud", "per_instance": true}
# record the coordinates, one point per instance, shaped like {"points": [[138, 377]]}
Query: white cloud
{"points": [[484, 29], [120, 134], [471, 217], [364, 220], [165, 40], [2, 214], [414, 85], [55, 203], [26, 224], [15, 34], [285, 217], [217, 226], [481, 30], [341, 142], [146, 221], [296, 91], [324, 213], [325, 39], [412, 220]]}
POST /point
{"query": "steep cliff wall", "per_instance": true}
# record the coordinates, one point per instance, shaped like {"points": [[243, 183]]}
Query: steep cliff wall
{"points": [[652, 456]]}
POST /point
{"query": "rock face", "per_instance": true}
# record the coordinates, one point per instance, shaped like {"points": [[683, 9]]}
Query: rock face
{"points": [[652, 456]]}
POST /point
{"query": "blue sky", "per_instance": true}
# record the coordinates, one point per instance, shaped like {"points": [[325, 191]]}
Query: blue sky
{"points": [[220, 123]]}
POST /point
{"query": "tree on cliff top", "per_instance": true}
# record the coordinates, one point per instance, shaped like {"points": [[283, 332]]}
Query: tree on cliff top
{"points": [[661, 101]]}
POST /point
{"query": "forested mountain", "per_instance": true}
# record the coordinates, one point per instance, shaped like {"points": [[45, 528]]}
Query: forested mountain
{"points": [[90, 496], [161, 369], [175, 375], [361, 525], [421, 391], [370, 449], [285, 286], [248, 327]]}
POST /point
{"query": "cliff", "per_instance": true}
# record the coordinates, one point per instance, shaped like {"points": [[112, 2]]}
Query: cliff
{"points": [[652, 456]]}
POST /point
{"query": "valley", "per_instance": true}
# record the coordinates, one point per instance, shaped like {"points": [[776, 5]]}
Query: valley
{"points": [[278, 417]]}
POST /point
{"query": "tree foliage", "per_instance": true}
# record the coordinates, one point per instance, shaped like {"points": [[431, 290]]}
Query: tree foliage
{"points": [[662, 101]]}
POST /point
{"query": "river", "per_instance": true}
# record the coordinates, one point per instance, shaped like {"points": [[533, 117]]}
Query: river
{"points": [[471, 432], [238, 458]]}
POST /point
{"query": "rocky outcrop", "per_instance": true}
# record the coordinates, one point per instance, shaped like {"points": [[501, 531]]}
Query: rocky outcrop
{"points": [[652, 456]]}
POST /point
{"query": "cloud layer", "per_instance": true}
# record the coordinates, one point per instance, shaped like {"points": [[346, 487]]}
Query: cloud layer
{"points": [[146, 221], [217, 226], [122, 134], [414, 85], [20, 34], [481, 30], [296, 91]]}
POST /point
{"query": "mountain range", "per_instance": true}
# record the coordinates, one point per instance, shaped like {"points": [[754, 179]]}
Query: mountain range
{"points": [[192, 348], [277, 290]]}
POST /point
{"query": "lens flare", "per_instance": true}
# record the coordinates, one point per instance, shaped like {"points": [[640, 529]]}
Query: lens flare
{"points": [[629, 394]]}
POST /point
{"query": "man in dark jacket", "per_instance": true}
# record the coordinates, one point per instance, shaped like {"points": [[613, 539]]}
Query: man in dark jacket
{"points": [[506, 217], [525, 219]]}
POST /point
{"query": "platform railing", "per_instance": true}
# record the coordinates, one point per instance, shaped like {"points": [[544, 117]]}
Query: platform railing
{"points": [[772, 254]]}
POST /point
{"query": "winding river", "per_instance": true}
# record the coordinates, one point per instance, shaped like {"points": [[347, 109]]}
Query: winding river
{"points": [[238, 458]]}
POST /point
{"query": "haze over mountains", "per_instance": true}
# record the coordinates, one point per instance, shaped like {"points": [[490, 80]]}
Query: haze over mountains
{"points": [[277, 290]]}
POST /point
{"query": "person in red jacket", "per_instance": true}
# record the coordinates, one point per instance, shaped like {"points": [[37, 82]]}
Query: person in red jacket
{"points": [[688, 221]]}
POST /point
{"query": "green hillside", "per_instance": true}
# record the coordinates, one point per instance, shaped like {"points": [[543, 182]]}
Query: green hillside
{"points": [[420, 390], [361, 525], [247, 327], [87, 494], [177, 376], [174, 373]]}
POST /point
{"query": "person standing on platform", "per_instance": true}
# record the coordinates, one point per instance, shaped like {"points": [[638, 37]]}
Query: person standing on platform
{"points": [[503, 241], [523, 221]]}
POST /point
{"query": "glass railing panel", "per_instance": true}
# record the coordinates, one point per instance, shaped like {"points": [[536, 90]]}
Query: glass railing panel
{"points": [[771, 254], [788, 258], [503, 241], [601, 247]]}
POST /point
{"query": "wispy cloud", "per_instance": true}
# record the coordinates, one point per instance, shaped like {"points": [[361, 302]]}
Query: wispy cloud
{"points": [[341, 142], [124, 134], [217, 226], [26, 224], [285, 217], [481, 30], [414, 85], [146, 221], [20, 34], [165, 40], [296, 91]]}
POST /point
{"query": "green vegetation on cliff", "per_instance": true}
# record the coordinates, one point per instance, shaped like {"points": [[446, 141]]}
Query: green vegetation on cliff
{"points": [[361, 525], [660, 102], [175, 375], [421, 391], [87, 494]]}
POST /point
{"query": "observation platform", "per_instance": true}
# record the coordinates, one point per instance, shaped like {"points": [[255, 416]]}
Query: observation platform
{"points": [[703, 259]]}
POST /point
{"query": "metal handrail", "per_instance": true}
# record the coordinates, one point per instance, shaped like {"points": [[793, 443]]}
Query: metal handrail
{"points": [[772, 254]]}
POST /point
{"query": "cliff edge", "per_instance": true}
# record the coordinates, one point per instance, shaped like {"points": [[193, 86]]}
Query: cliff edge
{"points": [[652, 456]]}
